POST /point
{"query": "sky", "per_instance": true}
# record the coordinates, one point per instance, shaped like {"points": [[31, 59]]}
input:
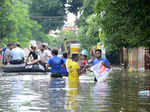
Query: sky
{"points": [[70, 19]]}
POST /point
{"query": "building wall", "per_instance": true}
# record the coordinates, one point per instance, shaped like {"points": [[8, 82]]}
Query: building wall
{"points": [[141, 52], [134, 58]]}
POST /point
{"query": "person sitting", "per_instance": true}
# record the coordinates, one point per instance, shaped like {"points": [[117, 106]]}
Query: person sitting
{"points": [[17, 55], [55, 63], [33, 55], [43, 57], [47, 51]]}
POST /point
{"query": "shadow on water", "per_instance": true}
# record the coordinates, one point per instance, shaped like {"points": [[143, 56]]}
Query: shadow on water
{"points": [[40, 93]]}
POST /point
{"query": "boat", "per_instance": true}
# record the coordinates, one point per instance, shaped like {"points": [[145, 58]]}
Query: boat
{"points": [[23, 68]]}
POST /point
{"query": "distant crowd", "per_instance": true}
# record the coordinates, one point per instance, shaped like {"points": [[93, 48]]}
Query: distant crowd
{"points": [[14, 54]]}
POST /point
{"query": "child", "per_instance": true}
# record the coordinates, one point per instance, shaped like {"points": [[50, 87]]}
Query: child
{"points": [[84, 60]]}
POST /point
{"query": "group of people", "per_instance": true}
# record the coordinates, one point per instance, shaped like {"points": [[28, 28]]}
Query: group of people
{"points": [[14, 54], [60, 66], [75, 69], [76, 65], [38, 56]]}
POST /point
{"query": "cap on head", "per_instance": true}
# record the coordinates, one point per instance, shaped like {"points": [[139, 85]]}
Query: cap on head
{"points": [[34, 46], [84, 52], [46, 44]]}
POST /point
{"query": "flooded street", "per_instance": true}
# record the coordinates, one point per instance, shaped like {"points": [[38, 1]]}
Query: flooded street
{"points": [[40, 93]]}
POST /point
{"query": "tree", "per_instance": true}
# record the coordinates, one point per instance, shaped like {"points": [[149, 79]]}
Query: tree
{"points": [[89, 34], [74, 6], [16, 25], [15, 22], [88, 28], [6, 25], [125, 23], [49, 13], [85, 11]]}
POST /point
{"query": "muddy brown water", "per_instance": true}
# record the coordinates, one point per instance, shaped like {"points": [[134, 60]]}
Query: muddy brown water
{"points": [[40, 93]]}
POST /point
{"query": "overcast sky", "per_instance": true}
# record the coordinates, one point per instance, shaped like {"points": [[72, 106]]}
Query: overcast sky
{"points": [[70, 19]]}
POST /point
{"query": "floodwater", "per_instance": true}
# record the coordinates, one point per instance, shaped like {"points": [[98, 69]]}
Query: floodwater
{"points": [[40, 93]]}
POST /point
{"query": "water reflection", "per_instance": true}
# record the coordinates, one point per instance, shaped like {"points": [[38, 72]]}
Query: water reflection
{"points": [[40, 93], [101, 95], [24, 95], [73, 91], [57, 94]]}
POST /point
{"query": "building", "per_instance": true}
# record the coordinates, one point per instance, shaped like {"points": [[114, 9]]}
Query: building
{"points": [[54, 33]]}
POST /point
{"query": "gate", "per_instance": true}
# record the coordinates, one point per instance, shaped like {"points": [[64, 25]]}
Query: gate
{"points": [[147, 59]]}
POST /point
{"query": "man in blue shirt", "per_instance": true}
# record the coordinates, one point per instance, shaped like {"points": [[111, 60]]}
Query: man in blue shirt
{"points": [[3, 50], [64, 69], [105, 62], [55, 63]]}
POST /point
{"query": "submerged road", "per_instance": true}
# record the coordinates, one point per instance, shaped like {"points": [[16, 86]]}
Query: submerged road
{"points": [[40, 93]]}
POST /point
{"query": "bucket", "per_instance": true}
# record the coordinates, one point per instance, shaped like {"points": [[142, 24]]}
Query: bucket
{"points": [[98, 46], [75, 48]]}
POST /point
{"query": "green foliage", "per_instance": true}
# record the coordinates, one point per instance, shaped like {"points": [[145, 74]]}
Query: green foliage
{"points": [[49, 13], [74, 6], [6, 25], [125, 23], [88, 27], [89, 34], [85, 11], [16, 25], [15, 22]]}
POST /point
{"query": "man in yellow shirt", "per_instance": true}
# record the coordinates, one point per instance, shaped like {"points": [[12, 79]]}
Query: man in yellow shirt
{"points": [[73, 68], [73, 81]]}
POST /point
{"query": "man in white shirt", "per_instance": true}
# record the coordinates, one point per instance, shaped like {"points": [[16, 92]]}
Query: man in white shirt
{"points": [[44, 55], [47, 51], [17, 55]]}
